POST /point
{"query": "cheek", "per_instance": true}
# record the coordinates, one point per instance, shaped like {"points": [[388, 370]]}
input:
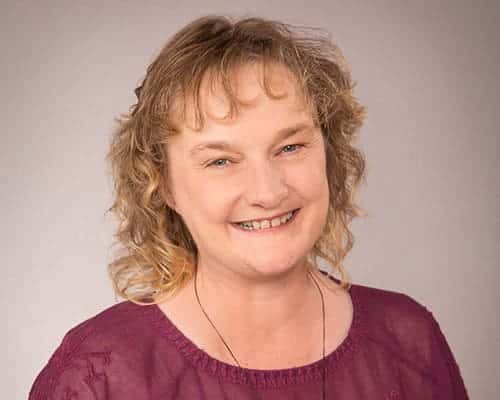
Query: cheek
{"points": [[310, 178], [205, 200]]}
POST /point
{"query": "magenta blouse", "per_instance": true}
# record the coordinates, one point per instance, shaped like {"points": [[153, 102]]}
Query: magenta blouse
{"points": [[394, 349]]}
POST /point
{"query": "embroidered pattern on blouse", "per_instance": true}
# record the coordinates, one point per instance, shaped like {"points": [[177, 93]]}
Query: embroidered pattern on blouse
{"points": [[68, 357], [393, 395]]}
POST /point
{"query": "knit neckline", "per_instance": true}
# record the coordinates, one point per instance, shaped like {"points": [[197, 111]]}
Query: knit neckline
{"points": [[263, 378]]}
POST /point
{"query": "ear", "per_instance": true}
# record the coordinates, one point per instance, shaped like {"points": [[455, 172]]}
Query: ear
{"points": [[167, 197]]}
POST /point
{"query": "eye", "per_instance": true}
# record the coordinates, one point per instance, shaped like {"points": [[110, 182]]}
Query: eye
{"points": [[216, 163], [292, 146]]}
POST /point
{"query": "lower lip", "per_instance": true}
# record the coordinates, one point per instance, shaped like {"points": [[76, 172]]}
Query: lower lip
{"points": [[271, 229]]}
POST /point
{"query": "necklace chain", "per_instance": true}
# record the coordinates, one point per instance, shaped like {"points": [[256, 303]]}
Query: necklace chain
{"points": [[211, 323], [227, 346]]}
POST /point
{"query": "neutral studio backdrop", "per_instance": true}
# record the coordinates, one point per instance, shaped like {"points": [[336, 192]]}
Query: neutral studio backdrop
{"points": [[427, 72]]}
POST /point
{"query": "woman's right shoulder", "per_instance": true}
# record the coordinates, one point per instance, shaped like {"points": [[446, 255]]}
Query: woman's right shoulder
{"points": [[79, 367], [117, 325]]}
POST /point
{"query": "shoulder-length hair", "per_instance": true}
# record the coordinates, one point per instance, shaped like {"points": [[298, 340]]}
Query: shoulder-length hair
{"points": [[158, 254]]}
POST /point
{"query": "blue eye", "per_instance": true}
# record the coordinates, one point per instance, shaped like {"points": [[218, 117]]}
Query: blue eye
{"points": [[215, 164], [292, 145]]}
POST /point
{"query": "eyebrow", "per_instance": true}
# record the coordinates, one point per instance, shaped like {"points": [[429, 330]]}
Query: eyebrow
{"points": [[283, 133]]}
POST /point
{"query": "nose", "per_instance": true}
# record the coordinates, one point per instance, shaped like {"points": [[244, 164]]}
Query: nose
{"points": [[265, 185]]}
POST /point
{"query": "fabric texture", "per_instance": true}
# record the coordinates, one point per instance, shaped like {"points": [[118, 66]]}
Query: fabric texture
{"points": [[394, 350]]}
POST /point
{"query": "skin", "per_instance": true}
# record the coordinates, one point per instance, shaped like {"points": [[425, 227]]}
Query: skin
{"points": [[254, 287]]}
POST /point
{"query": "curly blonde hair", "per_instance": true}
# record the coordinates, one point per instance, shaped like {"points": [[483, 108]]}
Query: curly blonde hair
{"points": [[158, 254]]}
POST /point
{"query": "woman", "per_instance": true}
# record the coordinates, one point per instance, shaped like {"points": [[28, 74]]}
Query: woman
{"points": [[234, 171]]}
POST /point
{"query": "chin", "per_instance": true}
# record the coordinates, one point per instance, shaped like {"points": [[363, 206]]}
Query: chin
{"points": [[273, 267]]}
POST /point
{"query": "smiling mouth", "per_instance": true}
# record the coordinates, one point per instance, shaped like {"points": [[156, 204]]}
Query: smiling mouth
{"points": [[285, 219]]}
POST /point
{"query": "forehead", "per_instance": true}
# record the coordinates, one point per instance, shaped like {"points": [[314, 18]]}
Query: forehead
{"points": [[249, 86]]}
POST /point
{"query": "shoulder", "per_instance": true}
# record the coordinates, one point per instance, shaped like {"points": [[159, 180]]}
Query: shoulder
{"points": [[80, 364], [115, 326], [394, 319], [402, 329], [396, 307]]}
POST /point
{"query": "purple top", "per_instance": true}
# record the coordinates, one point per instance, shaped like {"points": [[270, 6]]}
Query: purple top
{"points": [[394, 350]]}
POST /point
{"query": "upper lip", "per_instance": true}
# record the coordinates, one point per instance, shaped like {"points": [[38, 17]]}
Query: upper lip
{"points": [[269, 218]]}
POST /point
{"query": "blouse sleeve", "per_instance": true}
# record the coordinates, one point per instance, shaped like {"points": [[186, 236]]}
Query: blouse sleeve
{"points": [[449, 384], [73, 372]]}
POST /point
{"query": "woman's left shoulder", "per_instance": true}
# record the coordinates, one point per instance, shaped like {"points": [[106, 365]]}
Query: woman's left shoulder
{"points": [[389, 301], [398, 323], [392, 311], [408, 333]]}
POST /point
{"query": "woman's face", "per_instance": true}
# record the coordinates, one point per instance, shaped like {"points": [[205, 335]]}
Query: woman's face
{"points": [[273, 162]]}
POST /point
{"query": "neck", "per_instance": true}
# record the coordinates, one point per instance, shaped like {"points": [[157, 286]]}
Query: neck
{"points": [[263, 312]]}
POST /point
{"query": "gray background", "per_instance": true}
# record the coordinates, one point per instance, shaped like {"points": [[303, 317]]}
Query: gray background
{"points": [[426, 70]]}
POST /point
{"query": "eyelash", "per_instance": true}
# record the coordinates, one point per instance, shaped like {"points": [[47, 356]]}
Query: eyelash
{"points": [[212, 163]]}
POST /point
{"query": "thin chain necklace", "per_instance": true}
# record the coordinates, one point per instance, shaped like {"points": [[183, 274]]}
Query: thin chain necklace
{"points": [[232, 354]]}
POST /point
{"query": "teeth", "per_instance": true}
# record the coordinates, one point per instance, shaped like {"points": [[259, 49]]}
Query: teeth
{"points": [[286, 217], [263, 224]]}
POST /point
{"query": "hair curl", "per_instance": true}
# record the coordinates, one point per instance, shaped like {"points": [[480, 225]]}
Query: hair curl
{"points": [[158, 254]]}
